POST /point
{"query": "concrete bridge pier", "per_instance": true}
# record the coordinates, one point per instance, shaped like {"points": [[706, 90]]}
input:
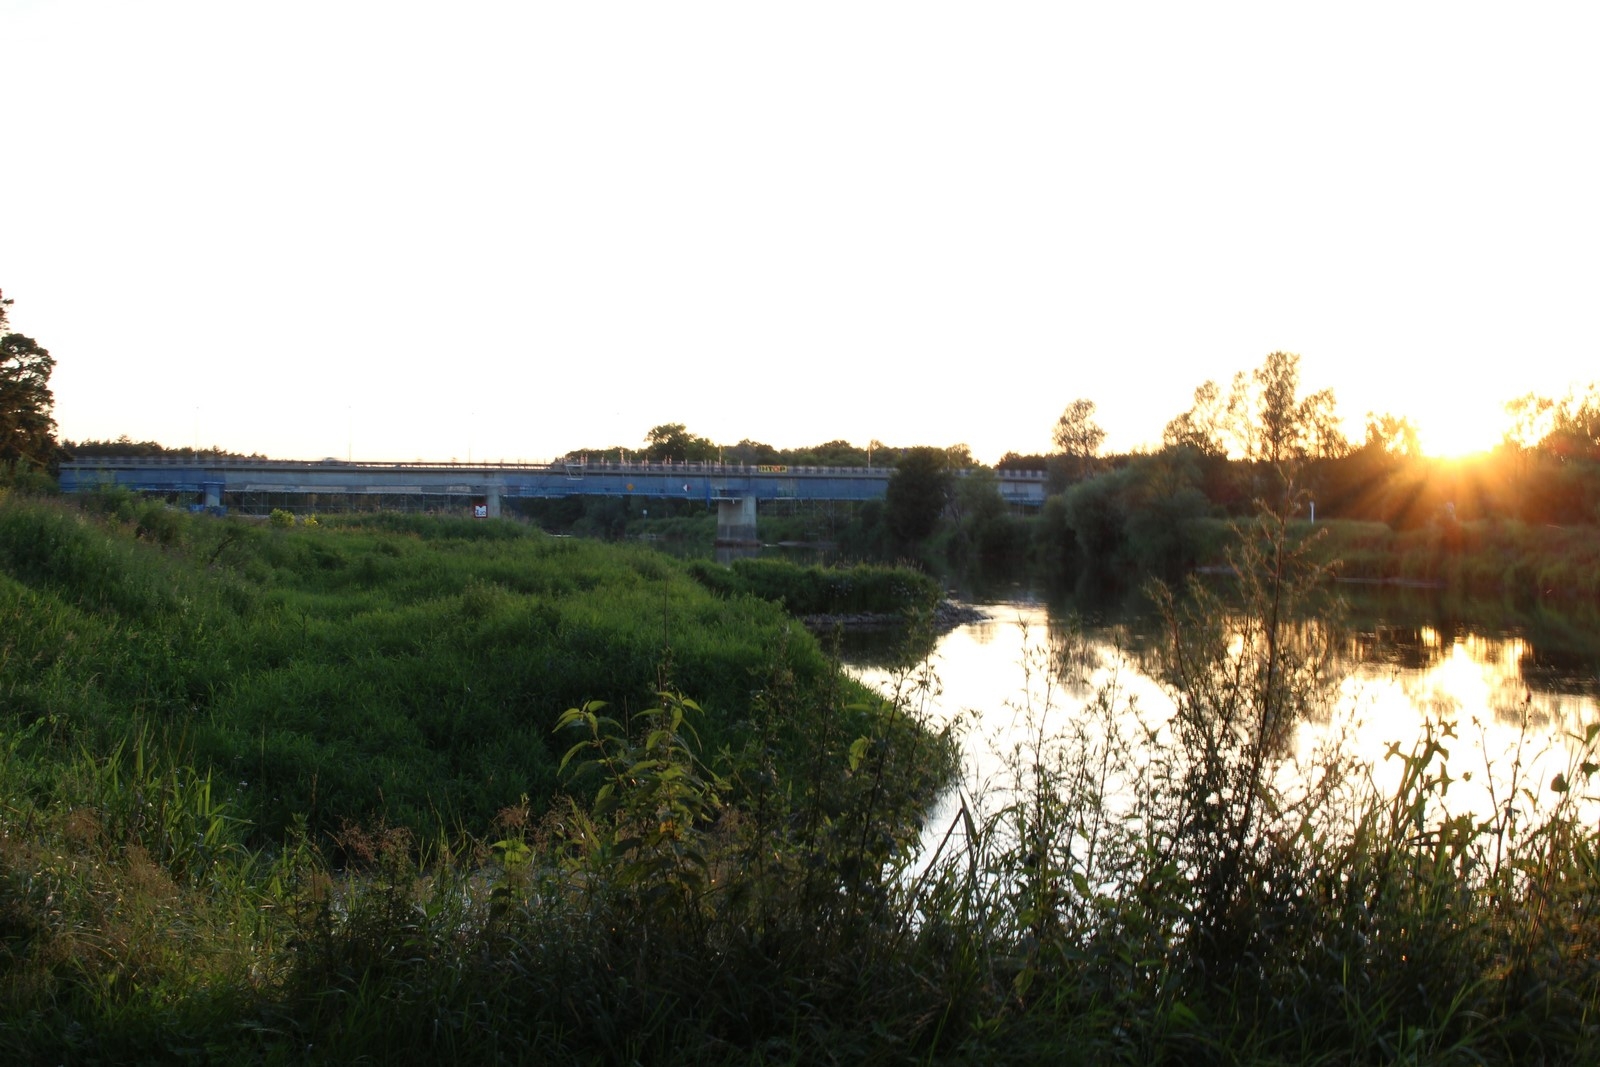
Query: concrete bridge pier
{"points": [[736, 521], [492, 491]]}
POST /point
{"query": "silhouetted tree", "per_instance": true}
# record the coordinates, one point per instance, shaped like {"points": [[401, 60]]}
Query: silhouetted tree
{"points": [[1275, 424], [1394, 434], [1079, 437], [673, 442], [917, 494], [27, 428], [1204, 427]]}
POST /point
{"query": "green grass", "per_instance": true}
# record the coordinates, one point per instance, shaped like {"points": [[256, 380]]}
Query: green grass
{"points": [[386, 668]]}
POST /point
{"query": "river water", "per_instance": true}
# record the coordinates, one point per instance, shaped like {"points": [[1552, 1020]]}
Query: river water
{"points": [[1511, 710]]}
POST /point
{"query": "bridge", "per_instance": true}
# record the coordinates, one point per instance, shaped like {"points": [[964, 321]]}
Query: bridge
{"points": [[255, 485]]}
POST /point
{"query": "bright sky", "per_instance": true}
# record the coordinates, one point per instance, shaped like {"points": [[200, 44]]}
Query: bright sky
{"points": [[502, 230]]}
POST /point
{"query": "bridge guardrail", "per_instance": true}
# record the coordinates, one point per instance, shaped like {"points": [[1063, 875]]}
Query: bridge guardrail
{"points": [[571, 469]]}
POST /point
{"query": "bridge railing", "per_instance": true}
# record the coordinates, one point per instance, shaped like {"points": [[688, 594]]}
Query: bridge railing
{"points": [[568, 467]]}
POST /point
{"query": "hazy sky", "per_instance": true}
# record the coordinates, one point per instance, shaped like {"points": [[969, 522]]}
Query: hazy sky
{"points": [[502, 230]]}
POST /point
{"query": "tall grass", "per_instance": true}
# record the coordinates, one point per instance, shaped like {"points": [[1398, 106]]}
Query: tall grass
{"points": [[387, 667]]}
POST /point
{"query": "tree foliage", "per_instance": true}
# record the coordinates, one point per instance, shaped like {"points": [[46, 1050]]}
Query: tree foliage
{"points": [[1394, 435], [1263, 417], [27, 427], [1564, 428], [917, 493], [1078, 436], [125, 446], [1205, 427], [672, 442], [1139, 515], [1278, 425]]}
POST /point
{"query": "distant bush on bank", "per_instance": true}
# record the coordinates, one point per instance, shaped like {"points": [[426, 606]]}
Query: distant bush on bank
{"points": [[862, 589], [1489, 558], [1503, 557]]}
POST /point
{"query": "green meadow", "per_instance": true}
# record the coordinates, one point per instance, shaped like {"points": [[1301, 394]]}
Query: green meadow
{"points": [[390, 669]]}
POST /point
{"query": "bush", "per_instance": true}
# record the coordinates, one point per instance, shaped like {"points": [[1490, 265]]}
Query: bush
{"points": [[159, 523], [859, 589]]}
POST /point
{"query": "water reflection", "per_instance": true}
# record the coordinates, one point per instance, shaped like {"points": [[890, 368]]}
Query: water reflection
{"points": [[1512, 715]]}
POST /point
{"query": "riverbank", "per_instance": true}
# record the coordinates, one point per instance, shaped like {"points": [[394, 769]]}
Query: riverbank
{"points": [[1500, 558], [236, 755], [388, 668], [1489, 557]]}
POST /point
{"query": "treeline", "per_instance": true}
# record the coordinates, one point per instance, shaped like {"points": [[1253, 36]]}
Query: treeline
{"points": [[125, 447], [673, 443], [1261, 440]]}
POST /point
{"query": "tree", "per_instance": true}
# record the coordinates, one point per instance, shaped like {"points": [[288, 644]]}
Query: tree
{"points": [[671, 441], [1576, 433], [1078, 436], [27, 428], [917, 493], [1276, 432], [836, 453], [752, 452], [1393, 436], [975, 496], [1564, 429], [1204, 427], [1319, 420], [1277, 426], [1015, 461]]}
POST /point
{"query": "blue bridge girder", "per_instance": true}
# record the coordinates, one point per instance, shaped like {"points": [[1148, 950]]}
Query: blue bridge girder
{"points": [[211, 481]]}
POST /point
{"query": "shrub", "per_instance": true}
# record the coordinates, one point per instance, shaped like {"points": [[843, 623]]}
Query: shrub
{"points": [[159, 523], [864, 588]]}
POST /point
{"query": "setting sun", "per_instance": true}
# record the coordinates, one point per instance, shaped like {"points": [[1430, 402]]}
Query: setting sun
{"points": [[1455, 440], [1466, 419]]}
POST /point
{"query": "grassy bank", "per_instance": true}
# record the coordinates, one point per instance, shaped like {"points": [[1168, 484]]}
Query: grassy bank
{"points": [[390, 669]]}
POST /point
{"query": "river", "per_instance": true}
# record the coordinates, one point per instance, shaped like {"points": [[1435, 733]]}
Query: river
{"points": [[1512, 711]]}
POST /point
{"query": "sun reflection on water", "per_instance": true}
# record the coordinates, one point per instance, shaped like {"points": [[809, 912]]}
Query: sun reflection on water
{"points": [[1504, 732], [1512, 735]]}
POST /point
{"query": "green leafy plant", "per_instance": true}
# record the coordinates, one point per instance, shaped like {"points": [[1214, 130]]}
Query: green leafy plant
{"points": [[644, 836]]}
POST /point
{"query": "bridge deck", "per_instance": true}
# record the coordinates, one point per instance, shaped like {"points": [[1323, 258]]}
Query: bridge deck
{"points": [[213, 481]]}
